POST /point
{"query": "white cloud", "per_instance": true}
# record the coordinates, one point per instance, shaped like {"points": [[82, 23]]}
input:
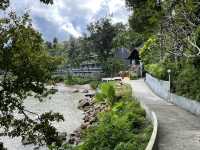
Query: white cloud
{"points": [[93, 5], [71, 16], [70, 29]]}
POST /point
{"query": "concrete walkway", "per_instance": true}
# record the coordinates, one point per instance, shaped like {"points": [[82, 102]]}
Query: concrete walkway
{"points": [[178, 129]]}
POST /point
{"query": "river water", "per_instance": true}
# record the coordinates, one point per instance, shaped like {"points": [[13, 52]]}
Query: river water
{"points": [[64, 102]]}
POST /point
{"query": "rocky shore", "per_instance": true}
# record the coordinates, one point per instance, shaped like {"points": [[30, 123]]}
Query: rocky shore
{"points": [[90, 109]]}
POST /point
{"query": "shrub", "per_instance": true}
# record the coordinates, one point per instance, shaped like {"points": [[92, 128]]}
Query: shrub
{"points": [[157, 70], [134, 76], [150, 52], [123, 127], [72, 80], [94, 84], [188, 83], [58, 79], [106, 94]]}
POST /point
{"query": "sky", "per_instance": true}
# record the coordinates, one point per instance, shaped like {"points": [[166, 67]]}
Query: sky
{"points": [[67, 18]]}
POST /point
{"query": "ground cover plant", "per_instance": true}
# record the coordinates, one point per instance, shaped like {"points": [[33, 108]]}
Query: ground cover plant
{"points": [[122, 127]]}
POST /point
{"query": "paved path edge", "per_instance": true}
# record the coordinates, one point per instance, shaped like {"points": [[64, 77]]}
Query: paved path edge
{"points": [[151, 115]]}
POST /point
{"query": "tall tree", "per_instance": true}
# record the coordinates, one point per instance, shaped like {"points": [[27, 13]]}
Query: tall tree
{"points": [[26, 67], [102, 33], [73, 52], [55, 42]]}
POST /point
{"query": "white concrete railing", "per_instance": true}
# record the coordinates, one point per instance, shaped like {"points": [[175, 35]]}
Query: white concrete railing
{"points": [[161, 88]]}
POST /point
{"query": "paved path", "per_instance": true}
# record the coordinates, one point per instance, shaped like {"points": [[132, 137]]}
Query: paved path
{"points": [[178, 129]]}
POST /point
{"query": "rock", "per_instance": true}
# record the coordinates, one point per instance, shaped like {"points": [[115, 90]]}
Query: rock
{"points": [[86, 108], [3, 134], [85, 91], [75, 91], [83, 103], [36, 148], [2, 147], [92, 120], [86, 118], [26, 141], [62, 136], [90, 95], [85, 125], [72, 140]]}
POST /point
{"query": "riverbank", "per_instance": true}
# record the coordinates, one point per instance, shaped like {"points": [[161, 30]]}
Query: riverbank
{"points": [[119, 122]]}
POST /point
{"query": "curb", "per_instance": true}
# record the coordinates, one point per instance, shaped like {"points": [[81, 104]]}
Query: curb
{"points": [[153, 142]]}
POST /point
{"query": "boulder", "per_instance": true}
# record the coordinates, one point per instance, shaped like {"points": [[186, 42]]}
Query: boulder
{"points": [[85, 91], [85, 125], [75, 91], [26, 141], [36, 148], [62, 136], [83, 103]]}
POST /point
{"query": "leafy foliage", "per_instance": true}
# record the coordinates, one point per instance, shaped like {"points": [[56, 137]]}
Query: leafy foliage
{"points": [[26, 67], [157, 70], [188, 83], [124, 125], [127, 39], [106, 94], [146, 17], [113, 66], [102, 33], [171, 30], [73, 80]]}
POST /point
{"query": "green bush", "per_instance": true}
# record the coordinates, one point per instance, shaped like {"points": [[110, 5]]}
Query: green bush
{"points": [[157, 70], [72, 80], [188, 83], [94, 84], [134, 76], [122, 128], [58, 79], [106, 94]]}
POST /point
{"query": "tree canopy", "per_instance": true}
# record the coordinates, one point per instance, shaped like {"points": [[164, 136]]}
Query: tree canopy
{"points": [[25, 67]]}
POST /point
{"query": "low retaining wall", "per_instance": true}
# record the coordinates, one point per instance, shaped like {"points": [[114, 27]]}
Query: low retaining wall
{"points": [[185, 103], [153, 144], [161, 88]]}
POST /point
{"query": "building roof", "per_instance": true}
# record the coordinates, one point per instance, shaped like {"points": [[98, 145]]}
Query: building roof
{"points": [[134, 54]]}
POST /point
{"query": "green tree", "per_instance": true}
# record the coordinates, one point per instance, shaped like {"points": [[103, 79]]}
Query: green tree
{"points": [[73, 52], [55, 42], [146, 17], [26, 67], [102, 33], [128, 39]]}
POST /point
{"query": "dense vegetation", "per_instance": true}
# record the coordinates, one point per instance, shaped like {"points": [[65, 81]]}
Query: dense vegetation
{"points": [[122, 127], [172, 33], [25, 69]]}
